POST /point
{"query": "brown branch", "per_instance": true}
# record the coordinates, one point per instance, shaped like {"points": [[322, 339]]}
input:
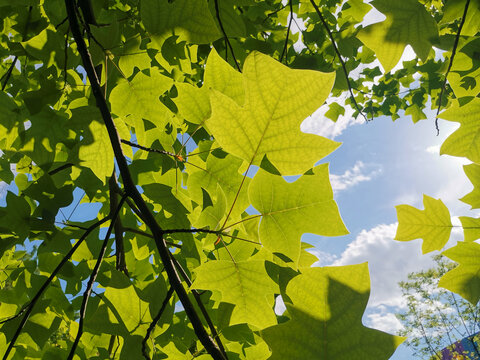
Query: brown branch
{"points": [[120, 263], [284, 51], [196, 295], [335, 47], [93, 277], [132, 191], [217, 13], [29, 307], [144, 148], [454, 50], [154, 323]]}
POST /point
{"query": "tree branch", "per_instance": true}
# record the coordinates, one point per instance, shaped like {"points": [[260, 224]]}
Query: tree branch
{"points": [[454, 50], [217, 13], [196, 295], [132, 191], [29, 307], [154, 323], [344, 67], [120, 263], [93, 276], [284, 51]]}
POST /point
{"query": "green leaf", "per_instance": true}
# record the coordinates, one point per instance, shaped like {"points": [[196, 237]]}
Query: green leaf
{"points": [[194, 103], [277, 100], [326, 318], [465, 141], [454, 10], [464, 279], [288, 212], [471, 228], [473, 173], [140, 97], [245, 284], [191, 21], [97, 153], [433, 224], [334, 111], [416, 113], [407, 23]]}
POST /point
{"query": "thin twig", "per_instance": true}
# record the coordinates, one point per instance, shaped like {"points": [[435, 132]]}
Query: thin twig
{"points": [[93, 277], [29, 307], [217, 13], [284, 51], [143, 233], [14, 62], [154, 323], [208, 231], [132, 191], [144, 148], [454, 50], [344, 67]]}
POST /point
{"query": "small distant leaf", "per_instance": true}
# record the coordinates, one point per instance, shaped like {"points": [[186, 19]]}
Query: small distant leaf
{"points": [[335, 111], [288, 212], [326, 318], [407, 23], [245, 284], [277, 100], [473, 173], [416, 113], [465, 141], [464, 279], [433, 224]]}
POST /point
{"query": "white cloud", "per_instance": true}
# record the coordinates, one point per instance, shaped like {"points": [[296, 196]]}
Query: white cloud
{"points": [[324, 258], [434, 149], [357, 174], [383, 319], [318, 124]]}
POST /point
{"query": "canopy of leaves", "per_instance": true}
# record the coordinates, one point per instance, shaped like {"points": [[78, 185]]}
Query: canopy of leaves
{"points": [[172, 125]]}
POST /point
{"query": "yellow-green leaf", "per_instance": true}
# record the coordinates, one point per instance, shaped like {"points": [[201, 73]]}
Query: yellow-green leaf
{"points": [[245, 284], [465, 141], [290, 209], [473, 173], [326, 318], [277, 100], [464, 279], [97, 155], [407, 23], [433, 224]]}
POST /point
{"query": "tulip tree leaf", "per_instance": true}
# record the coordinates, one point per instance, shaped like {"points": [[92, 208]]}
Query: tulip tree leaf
{"points": [[326, 310], [407, 23], [471, 228], [245, 284], [191, 21], [465, 278], [473, 173], [194, 103], [98, 154], [465, 141], [433, 224], [277, 100], [140, 96], [288, 212]]}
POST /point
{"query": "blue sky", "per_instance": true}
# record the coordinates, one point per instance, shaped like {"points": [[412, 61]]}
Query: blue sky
{"points": [[379, 165]]}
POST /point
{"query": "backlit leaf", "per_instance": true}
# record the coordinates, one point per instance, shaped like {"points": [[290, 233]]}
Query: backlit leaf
{"points": [[433, 224]]}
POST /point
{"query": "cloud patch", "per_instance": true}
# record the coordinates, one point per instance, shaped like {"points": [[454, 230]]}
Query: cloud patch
{"points": [[357, 174]]}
